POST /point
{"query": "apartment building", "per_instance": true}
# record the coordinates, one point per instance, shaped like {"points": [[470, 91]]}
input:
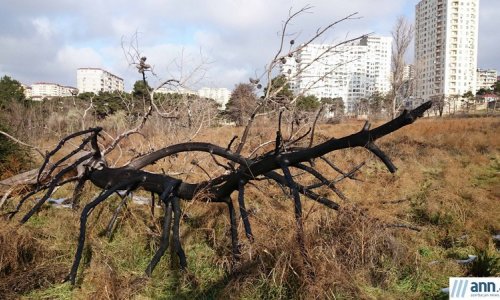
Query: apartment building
{"points": [[97, 80], [446, 43], [352, 71], [176, 90], [41, 90], [486, 79], [220, 95], [408, 72]]}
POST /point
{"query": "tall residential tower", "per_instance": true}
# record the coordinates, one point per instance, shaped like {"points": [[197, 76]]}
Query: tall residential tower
{"points": [[351, 72], [446, 37]]}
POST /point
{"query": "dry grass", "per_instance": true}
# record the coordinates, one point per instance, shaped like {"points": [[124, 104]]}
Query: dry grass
{"points": [[447, 180], [25, 264]]}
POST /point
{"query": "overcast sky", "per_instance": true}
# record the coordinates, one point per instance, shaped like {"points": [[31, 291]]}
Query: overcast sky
{"points": [[230, 39]]}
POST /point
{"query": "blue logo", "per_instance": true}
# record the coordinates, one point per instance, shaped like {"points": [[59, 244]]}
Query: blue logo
{"points": [[459, 288]]}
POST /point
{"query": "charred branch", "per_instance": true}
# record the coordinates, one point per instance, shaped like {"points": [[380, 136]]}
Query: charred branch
{"points": [[243, 211], [171, 190], [87, 210], [165, 236]]}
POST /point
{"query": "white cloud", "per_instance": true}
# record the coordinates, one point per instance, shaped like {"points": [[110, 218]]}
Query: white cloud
{"points": [[43, 27], [47, 40], [70, 58], [123, 26]]}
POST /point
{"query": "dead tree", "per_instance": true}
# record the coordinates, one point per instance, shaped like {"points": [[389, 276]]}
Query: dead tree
{"points": [[88, 161], [241, 171], [402, 35]]}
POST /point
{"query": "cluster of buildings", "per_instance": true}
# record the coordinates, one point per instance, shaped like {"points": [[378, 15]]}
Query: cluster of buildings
{"points": [[92, 80], [445, 64], [95, 80], [40, 90], [351, 71]]}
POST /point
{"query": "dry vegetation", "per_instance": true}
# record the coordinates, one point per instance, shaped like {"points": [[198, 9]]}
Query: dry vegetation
{"points": [[447, 185]]}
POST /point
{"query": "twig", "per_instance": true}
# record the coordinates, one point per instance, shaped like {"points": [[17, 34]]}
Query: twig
{"points": [[231, 143], [314, 125], [199, 128], [394, 201], [5, 196]]}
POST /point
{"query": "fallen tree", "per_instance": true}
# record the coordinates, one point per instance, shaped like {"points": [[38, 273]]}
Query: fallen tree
{"points": [[88, 163], [241, 171]]}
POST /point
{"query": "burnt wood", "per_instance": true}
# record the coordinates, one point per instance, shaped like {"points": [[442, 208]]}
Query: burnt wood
{"points": [[239, 172]]}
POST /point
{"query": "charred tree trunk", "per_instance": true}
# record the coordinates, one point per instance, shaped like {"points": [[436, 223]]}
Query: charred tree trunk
{"points": [[171, 190]]}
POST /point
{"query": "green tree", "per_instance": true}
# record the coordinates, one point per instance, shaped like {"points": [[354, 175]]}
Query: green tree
{"points": [[141, 89], [483, 91], [468, 95], [10, 90], [496, 87], [308, 103], [334, 106], [280, 90], [11, 99], [377, 103], [469, 99], [241, 103], [105, 103]]}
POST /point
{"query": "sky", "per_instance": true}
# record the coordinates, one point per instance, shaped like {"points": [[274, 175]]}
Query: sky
{"points": [[216, 43]]}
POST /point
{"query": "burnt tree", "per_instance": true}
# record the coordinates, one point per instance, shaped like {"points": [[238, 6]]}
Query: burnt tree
{"points": [[241, 171], [88, 161]]}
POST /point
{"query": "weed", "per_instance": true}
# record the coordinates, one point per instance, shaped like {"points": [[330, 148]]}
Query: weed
{"points": [[425, 252], [486, 265], [489, 176], [422, 216], [61, 291]]}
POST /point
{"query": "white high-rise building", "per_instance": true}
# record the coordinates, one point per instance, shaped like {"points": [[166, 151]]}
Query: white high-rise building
{"points": [[351, 71], [486, 79], [378, 62], [41, 90], [408, 72], [220, 95], [446, 39], [97, 80]]}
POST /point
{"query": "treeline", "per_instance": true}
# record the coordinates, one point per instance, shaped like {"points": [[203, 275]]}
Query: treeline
{"points": [[245, 97], [33, 121], [13, 156]]}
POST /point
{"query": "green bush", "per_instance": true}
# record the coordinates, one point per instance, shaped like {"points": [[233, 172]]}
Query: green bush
{"points": [[308, 103], [13, 157]]}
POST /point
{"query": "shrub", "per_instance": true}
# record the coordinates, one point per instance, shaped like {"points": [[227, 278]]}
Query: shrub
{"points": [[485, 265]]}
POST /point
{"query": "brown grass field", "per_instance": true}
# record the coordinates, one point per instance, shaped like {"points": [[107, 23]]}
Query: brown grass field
{"points": [[447, 185]]}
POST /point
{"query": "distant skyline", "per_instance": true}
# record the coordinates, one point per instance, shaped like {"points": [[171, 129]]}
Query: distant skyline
{"points": [[48, 40]]}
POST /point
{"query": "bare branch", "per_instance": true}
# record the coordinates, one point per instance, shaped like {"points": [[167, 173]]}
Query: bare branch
{"points": [[314, 125], [22, 143]]}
